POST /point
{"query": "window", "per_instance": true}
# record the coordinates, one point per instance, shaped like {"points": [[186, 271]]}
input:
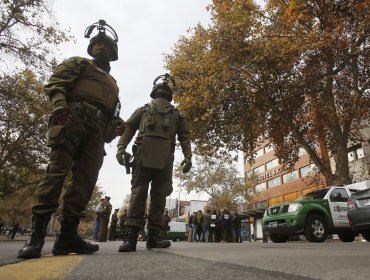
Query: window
{"points": [[355, 152], [260, 187], [259, 153], [273, 182], [307, 170], [271, 164], [261, 204], [290, 176], [360, 153], [301, 152], [339, 195], [259, 169], [268, 148], [351, 156], [248, 174]]}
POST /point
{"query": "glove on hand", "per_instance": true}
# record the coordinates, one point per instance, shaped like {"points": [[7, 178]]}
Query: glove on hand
{"points": [[186, 163], [119, 156], [61, 115]]}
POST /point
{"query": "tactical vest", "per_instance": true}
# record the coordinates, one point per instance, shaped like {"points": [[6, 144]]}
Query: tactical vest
{"points": [[96, 85], [157, 133], [159, 122]]}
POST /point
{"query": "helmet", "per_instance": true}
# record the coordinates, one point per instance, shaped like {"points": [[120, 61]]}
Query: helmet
{"points": [[103, 38], [102, 26], [163, 89]]}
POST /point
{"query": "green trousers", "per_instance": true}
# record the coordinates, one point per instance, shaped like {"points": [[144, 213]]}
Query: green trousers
{"points": [[161, 187], [84, 165]]}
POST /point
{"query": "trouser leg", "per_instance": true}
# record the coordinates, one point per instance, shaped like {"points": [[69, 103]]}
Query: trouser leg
{"points": [[46, 199], [85, 171]]}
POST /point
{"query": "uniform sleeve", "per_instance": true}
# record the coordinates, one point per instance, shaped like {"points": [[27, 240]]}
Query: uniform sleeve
{"points": [[132, 125], [183, 135], [64, 77]]}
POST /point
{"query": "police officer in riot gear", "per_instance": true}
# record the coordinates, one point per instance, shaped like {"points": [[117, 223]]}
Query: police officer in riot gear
{"points": [[85, 100], [158, 123]]}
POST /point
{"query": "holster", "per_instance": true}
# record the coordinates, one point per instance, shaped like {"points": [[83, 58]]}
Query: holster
{"points": [[59, 135]]}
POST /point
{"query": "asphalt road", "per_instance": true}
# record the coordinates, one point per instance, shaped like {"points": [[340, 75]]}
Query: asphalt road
{"points": [[183, 260]]}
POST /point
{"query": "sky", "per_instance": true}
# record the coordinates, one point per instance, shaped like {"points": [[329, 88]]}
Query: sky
{"points": [[146, 30]]}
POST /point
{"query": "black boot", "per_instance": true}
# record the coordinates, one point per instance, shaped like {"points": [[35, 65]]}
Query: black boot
{"points": [[155, 241], [33, 246], [68, 241], [129, 245]]}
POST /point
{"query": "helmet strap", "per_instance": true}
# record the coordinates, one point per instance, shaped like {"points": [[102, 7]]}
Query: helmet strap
{"points": [[103, 63]]}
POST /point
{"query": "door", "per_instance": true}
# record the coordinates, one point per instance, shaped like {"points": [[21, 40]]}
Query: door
{"points": [[338, 207]]}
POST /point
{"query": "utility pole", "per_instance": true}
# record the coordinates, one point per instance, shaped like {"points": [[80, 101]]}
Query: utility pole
{"points": [[178, 206]]}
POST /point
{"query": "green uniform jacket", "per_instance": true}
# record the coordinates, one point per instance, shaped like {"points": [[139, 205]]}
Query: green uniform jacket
{"points": [[79, 77], [181, 130]]}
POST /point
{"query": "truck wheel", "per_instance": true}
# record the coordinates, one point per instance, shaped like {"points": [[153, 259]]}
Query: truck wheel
{"points": [[366, 235], [346, 236], [177, 239], [278, 238], [315, 229]]}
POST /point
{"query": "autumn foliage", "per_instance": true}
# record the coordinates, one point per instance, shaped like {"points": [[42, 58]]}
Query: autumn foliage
{"points": [[294, 73]]}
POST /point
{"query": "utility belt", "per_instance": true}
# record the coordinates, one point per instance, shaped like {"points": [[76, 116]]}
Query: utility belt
{"points": [[87, 110], [136, 148]]}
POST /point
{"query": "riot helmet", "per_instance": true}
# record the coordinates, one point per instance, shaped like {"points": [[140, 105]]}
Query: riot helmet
{"points": [[102, 27], [163, 89]]}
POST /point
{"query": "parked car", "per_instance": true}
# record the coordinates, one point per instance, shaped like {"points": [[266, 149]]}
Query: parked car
{"points": [[359, 213], [177, 231], [316, 215]]}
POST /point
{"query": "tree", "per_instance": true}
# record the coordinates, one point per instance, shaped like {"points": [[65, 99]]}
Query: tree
{"points": [[294, 74], [29, 34], [126, 202], [23, 126], [97, 194], [218, 178], [16, 208], [28, 37]]}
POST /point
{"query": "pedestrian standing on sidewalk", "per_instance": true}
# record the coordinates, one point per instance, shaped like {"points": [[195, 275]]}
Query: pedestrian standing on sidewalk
{"points": [[104, 220], [113, 225], [165, 224], [98, 210]]}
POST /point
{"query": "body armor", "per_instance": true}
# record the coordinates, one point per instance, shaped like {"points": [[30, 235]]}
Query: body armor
{"points": [[157, 133]]}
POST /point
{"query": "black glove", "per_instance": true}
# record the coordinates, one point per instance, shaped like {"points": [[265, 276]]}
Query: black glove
{"points": [[186, 163], [120, 154], [61, 115]]}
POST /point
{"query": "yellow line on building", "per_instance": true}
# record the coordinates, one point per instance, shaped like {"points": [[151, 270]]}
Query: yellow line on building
{"points": [[45, 268]]}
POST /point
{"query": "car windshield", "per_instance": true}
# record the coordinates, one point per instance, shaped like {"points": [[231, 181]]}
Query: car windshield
{"points": [[318, 194]]}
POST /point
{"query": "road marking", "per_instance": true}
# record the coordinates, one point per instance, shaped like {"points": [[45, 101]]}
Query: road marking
{"points": [[45, 268]]}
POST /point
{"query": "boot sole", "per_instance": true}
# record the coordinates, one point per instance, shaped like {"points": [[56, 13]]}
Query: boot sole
{"points": [[28, 257], [158, 247], [61, 252], [126, 251]]}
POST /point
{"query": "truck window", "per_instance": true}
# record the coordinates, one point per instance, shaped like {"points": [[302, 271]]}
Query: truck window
{"points": [[339, 195], [318, 194]]}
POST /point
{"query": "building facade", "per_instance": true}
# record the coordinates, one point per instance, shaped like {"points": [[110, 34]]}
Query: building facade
{"points": [[274, 185]]}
